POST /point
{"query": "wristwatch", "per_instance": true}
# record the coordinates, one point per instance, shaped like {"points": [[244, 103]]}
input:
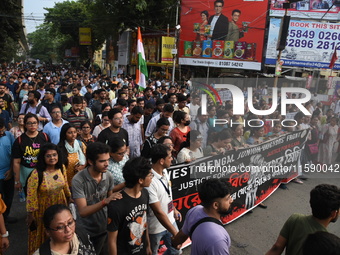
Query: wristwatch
{"points": [[6, 234]]}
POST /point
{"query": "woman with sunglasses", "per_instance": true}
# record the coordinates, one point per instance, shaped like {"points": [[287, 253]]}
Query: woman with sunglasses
{"points": [[64, 236], [46, 186], [73, 151]]}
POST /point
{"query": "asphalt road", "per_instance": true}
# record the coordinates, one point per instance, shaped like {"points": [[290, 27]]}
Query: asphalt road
{"points": [[252, 234]]}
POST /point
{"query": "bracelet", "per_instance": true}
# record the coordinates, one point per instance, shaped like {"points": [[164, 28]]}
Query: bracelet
{"points": [[6, 234], [16, 182], [104, 203]]}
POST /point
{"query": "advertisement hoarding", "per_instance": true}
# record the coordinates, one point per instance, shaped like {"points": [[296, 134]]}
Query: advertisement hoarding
{"points": [[309, 44], [242, 43], [168, 43], [85, 36], [307, 9]]}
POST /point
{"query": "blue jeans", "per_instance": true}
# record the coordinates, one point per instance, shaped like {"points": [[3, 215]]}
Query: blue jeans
{"points": [[166, 236]]}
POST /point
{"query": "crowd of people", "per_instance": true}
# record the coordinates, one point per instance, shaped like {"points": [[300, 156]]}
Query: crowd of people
{"points": [[71, 137]]}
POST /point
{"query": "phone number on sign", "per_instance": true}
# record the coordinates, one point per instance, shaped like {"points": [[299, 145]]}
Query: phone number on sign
{"points": [[320, 168]]}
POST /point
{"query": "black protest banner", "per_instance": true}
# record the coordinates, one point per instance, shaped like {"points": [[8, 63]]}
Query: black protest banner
{"points": [[254, 173]]}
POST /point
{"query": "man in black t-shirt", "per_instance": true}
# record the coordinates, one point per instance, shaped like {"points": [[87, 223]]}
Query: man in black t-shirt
{"points": [[127, 220], [115, 130]]}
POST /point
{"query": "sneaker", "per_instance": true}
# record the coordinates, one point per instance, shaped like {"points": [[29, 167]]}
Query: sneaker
{"points": [[283, 186]]}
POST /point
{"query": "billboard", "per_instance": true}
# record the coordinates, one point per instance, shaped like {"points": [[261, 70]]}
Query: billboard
{"points": [[211, 35], [307, 9], [168, 43], [309, 44], [85, 36]]}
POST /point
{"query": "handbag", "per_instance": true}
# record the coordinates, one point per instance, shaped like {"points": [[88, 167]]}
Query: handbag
{"points": [[313, 148]]}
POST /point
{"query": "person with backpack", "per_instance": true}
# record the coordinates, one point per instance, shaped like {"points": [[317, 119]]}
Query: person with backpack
{"points": [[73, 151], [26, 148], [203, 222], [33, 105], [47, 185]]}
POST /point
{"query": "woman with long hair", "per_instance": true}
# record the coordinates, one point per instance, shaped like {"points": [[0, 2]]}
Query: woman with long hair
{"points": [[63, 235], [191, 148], [26, 149], [73, 151], [46, 186], [85, 133], [179, 134]]}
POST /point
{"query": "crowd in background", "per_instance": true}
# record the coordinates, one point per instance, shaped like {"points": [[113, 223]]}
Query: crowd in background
{"points": [[49, 118]]}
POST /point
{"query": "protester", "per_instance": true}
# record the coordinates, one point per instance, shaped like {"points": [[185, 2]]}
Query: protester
{"points": [[33, 105], [73, 151], [92, 192], [46, 186], [26, 149], [105, 123], [321, 243], [221, 143], [85, 135], [191, 148], [126, 234], [325, 204], [118, 158], [133, 124], [115, 129], [75, 115], [6, 175], [19, 129], [238, 139], [203, 222], [53, 128], [179, 133], [64, 236], [162, 216], [163, 126]]}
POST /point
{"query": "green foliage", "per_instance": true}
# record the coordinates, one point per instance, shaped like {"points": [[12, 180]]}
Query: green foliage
{"points": [[47, 44], [10, 26]]}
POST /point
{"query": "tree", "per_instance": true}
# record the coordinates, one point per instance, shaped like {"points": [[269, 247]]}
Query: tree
{"points": [[47, 45], [67, 17], [10, 27]]}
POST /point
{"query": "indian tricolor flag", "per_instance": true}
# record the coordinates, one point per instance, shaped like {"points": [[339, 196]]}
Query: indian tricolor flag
{"points": [[142, 71]]}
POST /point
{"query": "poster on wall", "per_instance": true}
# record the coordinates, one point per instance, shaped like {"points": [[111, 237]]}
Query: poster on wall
{"points": [[307, 9], [229, 35], [309, 44]]}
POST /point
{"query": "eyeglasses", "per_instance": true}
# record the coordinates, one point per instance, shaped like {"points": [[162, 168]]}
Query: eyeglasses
{"points": [[31, 123], [54, 155], [169, 144], [47, 93], [118, 118], [57, 112], [85, 127], [63, 227], [106, 120], [218, 6]]}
